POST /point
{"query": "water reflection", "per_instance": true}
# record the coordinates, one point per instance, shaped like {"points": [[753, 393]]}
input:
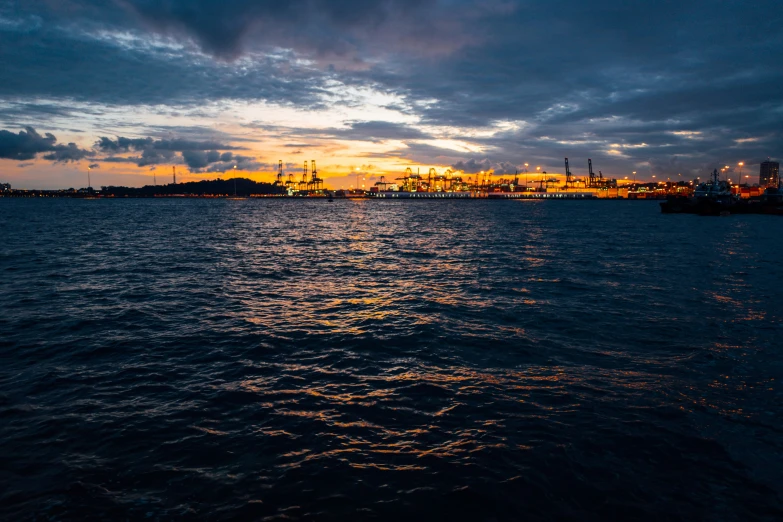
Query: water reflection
{"points": [[378, 359]]}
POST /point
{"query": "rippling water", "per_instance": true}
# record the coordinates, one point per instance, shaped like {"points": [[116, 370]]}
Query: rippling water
{"points": [[455, 360]]}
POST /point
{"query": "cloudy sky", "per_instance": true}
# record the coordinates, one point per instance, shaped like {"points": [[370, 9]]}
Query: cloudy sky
{"points": [[134, 87]]}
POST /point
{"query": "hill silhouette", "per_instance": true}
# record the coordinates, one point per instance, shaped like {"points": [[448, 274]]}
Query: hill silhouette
{"points": [[216, 187]]}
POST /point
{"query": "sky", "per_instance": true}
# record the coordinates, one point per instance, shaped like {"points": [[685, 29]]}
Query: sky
{"points": [[132, 88]]}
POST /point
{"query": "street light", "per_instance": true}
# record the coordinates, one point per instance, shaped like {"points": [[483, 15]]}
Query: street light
{"points": [[89, 183], [741, 164]]}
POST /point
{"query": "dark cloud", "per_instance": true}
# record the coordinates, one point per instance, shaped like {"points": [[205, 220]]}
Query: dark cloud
{"points": [[214, 161], [93, 61], [380, 130], [473, 166], [504, 167], [27, 144], [196, 154], [123, 144], [153, 156], [326, 28], [652, 86], [243, 163], [95, 165], [66, 153], [196, 159], [148, 157]]}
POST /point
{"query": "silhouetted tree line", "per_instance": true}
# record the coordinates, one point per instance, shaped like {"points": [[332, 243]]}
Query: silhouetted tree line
{"points": [[242, 186]]}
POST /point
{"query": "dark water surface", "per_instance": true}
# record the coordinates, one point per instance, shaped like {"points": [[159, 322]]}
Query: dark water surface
{"points": [[463, 360]]}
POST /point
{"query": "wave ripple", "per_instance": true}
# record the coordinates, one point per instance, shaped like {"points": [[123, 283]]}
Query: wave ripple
{"points": [[378, 360]]}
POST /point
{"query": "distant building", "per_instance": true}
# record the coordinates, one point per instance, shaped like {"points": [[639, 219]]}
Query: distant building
{"points": [[5, 187], [769, 174]]}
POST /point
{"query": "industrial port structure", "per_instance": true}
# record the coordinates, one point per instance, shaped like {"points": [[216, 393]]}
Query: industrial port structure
{"points": [[446, 184], [310, 184], [484, 185], [451, 184]]}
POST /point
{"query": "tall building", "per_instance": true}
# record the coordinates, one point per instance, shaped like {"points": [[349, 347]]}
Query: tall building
{"points": [[769, 174]]}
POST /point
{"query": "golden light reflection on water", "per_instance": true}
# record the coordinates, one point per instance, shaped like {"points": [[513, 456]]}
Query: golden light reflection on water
{"points": [[412, 281]]}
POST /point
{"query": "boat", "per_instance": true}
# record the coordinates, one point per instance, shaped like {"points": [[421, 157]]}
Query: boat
{"points": [[711, 198], [715, 198], [772, 201]]}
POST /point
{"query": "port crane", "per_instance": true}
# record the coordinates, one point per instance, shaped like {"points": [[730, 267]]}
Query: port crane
{"points": [[543, 180], [438, 178], [598, 181], [569, 178], [449, 179], [381, 184], [303, 183], [591, 175], [316, 183]]}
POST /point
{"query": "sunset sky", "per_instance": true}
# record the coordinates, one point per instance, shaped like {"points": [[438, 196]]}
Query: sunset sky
{"points": [[133, 87]]}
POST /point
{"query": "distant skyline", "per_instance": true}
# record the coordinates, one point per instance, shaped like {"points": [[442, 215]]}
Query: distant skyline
{"points": [[132, 87]]}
